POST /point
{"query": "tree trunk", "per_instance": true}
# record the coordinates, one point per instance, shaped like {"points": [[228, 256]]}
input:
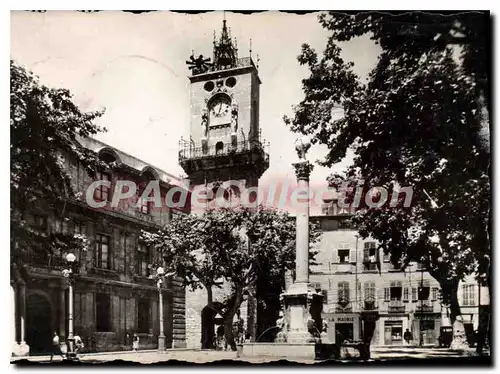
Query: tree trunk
{"points": [[252, 313], [459, 341], [209, 295], [228, 319]]}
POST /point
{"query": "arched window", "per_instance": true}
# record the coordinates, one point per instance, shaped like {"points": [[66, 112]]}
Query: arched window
{"points": [[219, 148], [148, 174]]}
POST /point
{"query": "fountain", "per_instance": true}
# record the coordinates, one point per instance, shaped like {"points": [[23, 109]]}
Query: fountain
{"points": [[300, 321]]}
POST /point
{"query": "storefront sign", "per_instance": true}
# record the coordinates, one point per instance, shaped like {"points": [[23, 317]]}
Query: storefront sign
{"points": [[393, 318], [340, 318], [427, 317]]}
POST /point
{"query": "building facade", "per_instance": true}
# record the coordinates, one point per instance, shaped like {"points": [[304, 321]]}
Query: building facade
{"points": [[224, 146], [359, 282], [113, 296]]}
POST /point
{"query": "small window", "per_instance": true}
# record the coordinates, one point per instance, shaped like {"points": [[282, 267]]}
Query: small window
{"points": [[209, 86], [370, 253], [103, 251], [468, 295], [387, 294], [405, 294], [231, 82], [102, 192], [435, 293], [343, 255], [38, 222], [219, 148], [144, 205], [79, 228], [325, 296], [143, 260], [423, 292], [414, 296], [343, 293], [369, 290], [396, 291]]}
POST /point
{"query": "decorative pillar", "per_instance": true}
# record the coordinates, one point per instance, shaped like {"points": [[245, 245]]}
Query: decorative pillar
{"points": [[23, 347], [71, 339], [302, 304], [62, 312], [161, 337], [13, 323]]}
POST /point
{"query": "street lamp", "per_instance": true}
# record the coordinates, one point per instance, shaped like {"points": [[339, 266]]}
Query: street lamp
{"points": [[69, 274], [159, 276]]}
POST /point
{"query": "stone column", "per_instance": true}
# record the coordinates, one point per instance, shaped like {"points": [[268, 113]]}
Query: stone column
{"points": [[62, 312], [302, 304], [23, 347], [161, 337], [13, 318], [302, 170]]}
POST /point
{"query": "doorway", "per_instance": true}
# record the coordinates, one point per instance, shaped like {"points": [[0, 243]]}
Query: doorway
{"points": [[343, 332], [207, 327], [38, 324]]}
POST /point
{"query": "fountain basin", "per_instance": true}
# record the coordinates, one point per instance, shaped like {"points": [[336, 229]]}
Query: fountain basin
{"points": [[310, 351]]}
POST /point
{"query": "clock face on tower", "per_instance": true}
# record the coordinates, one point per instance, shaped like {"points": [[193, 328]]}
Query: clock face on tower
{"points": [[220, 110]]}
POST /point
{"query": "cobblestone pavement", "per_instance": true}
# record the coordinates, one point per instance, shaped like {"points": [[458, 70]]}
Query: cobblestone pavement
{"points": [[198, 356]]}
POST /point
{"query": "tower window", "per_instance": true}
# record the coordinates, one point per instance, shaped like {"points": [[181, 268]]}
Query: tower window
{"points": [[219, 148], [209, 86], [231, 82]]}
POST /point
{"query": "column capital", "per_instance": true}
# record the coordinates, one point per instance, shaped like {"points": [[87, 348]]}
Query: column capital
{"points": [[303, 170]]}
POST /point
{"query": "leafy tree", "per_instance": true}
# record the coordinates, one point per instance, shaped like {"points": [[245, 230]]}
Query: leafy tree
{"points": [[233, 245], [44, 125], [419, 121]]}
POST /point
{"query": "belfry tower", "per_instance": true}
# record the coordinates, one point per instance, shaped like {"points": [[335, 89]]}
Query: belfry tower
{"points": [[224, 145]]}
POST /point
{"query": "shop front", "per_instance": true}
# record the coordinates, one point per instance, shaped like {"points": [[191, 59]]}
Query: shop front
{"points": [[342, 327], [426, 328], [391, 330]]}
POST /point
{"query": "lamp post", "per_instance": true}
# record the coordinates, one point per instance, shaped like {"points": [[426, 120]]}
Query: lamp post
{"points": [[421, 334], [159, 276], [69, 273]]}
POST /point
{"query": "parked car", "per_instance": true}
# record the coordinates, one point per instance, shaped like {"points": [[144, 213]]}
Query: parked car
{"points": [[445, 336]]}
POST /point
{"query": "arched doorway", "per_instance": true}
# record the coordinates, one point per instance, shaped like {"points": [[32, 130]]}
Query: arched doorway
{"points": [[38, 323], [209, 321], [207, 327]]}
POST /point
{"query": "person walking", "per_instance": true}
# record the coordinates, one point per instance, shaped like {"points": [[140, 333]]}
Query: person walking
{"points": [[135, 343], [408, 337], [56, 347]]}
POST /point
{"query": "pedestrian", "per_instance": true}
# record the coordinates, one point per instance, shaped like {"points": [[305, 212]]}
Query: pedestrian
{"points": [[56, 347], [78, 343], [135, 342], [408, 337]]}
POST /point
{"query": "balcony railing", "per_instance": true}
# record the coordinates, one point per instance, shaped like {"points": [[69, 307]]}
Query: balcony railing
{"points": [[369, 266], [396, 307], [188, 151], [244, 61], [369, 305], [425, 307], [344, 267], [343, 307]]}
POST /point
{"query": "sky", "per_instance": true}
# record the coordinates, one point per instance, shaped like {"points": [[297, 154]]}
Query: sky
{"points": [[133, 66]]}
